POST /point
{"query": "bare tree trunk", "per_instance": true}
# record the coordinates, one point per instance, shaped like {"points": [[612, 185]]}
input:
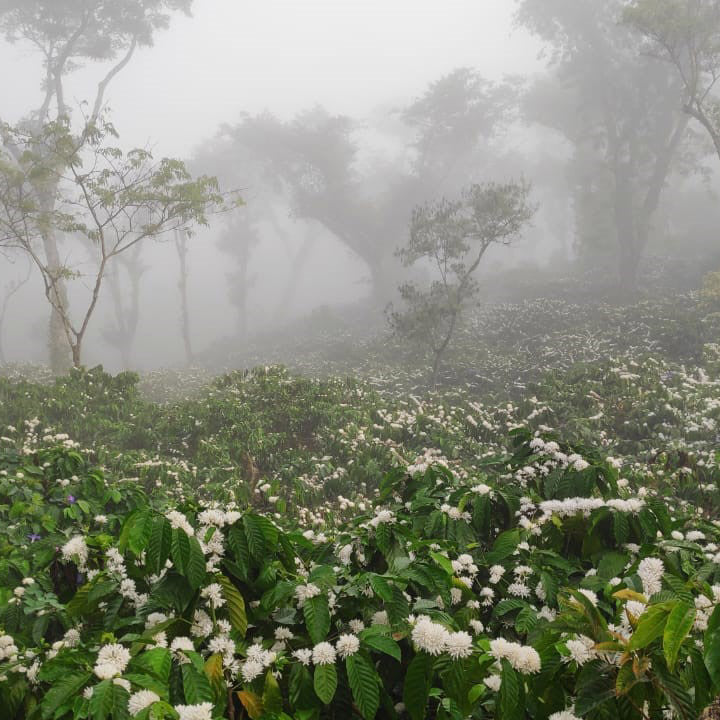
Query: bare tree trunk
{"points": [[629, 267], [77, 354], [118, 337], [455, 301], [79, 335], [440, 351], [435, 368], [632, 223], [57, 339], [302, 256], [9, 292], [238, 241], [242, 295], [701, 116], [126, 315], [182, 250], [135, 272], [625, 229]]}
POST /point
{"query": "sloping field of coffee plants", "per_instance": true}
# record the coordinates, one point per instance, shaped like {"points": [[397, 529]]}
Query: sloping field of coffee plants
{"points": [[284, 546]]}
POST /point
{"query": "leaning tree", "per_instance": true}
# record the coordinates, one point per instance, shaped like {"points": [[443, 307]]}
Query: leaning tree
{"points": [[686, 33]]}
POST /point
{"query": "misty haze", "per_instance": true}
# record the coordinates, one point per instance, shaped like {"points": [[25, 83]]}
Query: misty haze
{"points": [[359, 359]]}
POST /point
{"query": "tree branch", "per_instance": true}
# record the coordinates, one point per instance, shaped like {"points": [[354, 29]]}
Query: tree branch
{"points": [[103, 84]]}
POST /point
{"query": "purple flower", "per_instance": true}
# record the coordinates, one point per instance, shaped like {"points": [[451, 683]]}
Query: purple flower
{"points": [[33, 537], [71, 499]]}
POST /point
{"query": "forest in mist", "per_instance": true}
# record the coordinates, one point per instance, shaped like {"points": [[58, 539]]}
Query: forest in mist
{"points": [[596, 124]]}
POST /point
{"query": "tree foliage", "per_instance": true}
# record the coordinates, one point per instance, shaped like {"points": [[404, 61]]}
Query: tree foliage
{"points": [[622, 114], [686, 33], [453, 236], [67, 34], [315, 165], [92, 190]]}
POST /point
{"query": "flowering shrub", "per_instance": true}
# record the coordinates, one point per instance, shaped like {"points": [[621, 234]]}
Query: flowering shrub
{"points": [[544, 580]]}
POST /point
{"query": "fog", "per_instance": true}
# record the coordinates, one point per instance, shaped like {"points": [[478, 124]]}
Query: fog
{"points": [[335, 120], [232, 57]]}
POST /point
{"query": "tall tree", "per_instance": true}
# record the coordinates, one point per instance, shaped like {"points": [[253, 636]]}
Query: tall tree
{"points": [[686, 33], [68, 34], [112, 200], [620, 111]]}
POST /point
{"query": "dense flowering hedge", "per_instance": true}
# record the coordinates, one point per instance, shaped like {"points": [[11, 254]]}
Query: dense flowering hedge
{"points": [[544, 584]]}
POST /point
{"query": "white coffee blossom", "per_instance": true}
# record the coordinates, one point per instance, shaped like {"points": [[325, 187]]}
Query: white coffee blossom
{"points": [[429, 636], [347, 645], [111, 661], [323, 654], [651, 571], [581, 649], [203, 711], [304, 655], [76, 550], [140, 700], [305, 592], [458, 645], [523, 658], [251, 669], [214, 595], [179, 522]]}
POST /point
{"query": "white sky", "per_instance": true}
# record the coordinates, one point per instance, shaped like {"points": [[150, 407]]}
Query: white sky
{"points": [[238, 56]]}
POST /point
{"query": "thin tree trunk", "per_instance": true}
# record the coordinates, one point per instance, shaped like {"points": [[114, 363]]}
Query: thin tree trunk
{"points": [[131, 324], [296, 273], [57, 339], [629, 267], [10, 292], [118, 337], [59, 351], [628, 255], [455, 303], [126, 316], [700, 115], [439, 352], [76, 345], [242, 296], [435, 369], [640, 232], [181, 247], [77, 354]]}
